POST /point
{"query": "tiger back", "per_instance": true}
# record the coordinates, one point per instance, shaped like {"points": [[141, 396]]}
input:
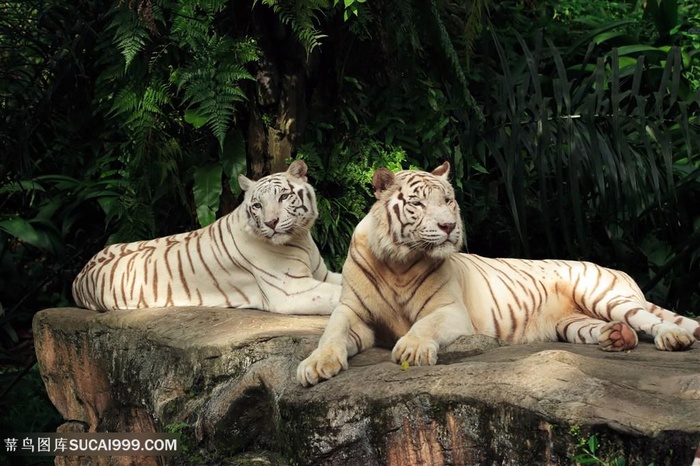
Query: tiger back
{"points": [[260, 256], [406, 285]]}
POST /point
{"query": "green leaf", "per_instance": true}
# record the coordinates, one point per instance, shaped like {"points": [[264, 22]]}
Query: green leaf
{"points": [[585, 459], [207, 190], [24, 231], [21, 229], [110, 206], [593, 443], [193, 117], [23, 185], [637, 49]]}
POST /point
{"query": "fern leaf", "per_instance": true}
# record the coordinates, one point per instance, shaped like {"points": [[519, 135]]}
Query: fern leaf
{"points": [[211, 85], [130, 33], [301, 16]]}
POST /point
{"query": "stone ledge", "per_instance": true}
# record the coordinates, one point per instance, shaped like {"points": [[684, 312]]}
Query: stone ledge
{"points": [[225, 379]]}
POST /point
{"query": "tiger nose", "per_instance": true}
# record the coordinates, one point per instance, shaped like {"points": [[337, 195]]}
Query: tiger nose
{"points": [[447, 227], [272, 223]]}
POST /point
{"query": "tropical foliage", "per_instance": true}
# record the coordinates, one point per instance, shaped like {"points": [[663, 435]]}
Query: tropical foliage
{"points": [[572, 126]]}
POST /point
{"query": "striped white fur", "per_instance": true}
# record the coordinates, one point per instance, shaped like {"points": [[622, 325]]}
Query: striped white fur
{"points": [[404, 284], [260, 256]]}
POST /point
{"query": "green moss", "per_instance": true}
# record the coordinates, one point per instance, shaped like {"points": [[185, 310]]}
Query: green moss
{"points": [[296, 425]]}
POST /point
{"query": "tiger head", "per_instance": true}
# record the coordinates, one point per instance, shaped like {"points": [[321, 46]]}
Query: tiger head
{"points": [[281, 206], [415, 215]]}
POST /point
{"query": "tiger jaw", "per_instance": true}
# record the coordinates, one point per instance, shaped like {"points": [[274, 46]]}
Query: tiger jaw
{"points": [[279, 238], [282, 232], [442, 250], [435, 247], [275, 236]]}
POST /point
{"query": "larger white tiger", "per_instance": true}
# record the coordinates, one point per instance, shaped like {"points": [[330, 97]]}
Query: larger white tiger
{"points": [[404, 284], [259, 256]]}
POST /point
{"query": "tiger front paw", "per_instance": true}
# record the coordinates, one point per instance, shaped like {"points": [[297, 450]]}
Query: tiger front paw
{"points": [[415, 351], [617, 336], [673, 338], [324, 363]]}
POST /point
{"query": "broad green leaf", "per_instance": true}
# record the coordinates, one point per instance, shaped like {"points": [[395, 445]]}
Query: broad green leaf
{"points": [[21, 229], [637, 49], [599, 35], [194, 118], [109, 206], [24, 231], [207, 190], [24, 185], [62, 182], [627, 62], [593, 443]]}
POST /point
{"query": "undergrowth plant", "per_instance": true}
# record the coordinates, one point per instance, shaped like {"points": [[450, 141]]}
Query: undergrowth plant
{"points": [[175, 78], [589, 450], [344, 192], [592, 147]]}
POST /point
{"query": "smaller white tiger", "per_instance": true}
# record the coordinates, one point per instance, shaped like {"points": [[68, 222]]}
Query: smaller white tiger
{"points": [[260, 256]]}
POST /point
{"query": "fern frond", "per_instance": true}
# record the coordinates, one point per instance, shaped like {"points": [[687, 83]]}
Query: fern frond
{"points": [[130, 33], [125, 101], [211, 84], [187, 28], [136, 220], [302, 17], [193, 20], [155, 98]]}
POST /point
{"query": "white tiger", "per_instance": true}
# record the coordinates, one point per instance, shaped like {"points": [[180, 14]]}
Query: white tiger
{"points": [[259, 256], [404, 284]]}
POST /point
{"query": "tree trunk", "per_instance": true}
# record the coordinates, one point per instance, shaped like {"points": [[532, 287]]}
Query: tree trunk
{"points": [[278, 106]]}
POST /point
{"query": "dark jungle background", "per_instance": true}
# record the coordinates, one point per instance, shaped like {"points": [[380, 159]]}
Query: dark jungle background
{"points": [[572, 127]]}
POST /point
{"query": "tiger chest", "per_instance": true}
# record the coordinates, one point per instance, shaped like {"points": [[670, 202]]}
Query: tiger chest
{"points": [[416, 292]]}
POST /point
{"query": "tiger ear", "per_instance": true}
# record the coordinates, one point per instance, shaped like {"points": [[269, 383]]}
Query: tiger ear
{"points": [[382, 179], [443, 170], [244, 182], [298, 170]]}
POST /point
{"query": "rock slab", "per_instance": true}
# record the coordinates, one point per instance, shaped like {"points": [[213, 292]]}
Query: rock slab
{"points": [[225, 380]]}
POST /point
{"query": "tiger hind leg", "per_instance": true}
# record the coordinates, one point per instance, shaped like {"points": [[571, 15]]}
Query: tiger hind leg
{"points": [[668, 336], [611, 336], [691, 325]]}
